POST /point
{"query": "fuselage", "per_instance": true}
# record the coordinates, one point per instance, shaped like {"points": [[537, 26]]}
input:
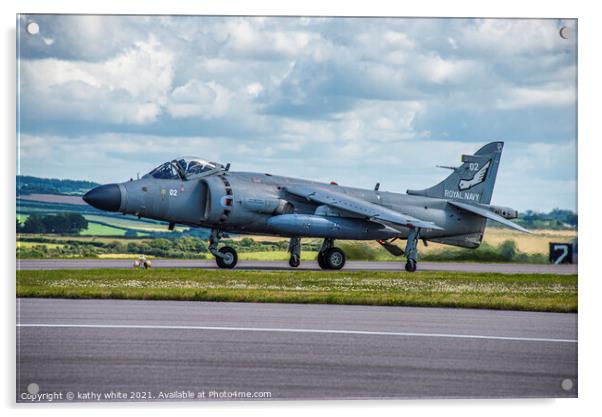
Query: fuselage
{"points": [[258, 203]]}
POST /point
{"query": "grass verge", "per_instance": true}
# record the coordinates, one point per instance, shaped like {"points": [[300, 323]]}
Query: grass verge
{"points": [[534, 292]]}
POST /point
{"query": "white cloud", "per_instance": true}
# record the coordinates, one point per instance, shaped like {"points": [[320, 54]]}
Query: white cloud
{"points": [[380, 121], [399, 39], [254, 89], [249, 38], [128, 88], [295, 95], [543, 96], [196, 98], [437, 70], [514, 36]]}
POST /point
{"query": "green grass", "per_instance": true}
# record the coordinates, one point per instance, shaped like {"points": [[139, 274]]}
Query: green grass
{"points": [[433, 289], [95, 229], [130, 223], [32, 244]]}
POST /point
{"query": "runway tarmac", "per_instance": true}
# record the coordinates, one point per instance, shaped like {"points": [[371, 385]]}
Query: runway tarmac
{"points": [[31, 264], [291, 351]]}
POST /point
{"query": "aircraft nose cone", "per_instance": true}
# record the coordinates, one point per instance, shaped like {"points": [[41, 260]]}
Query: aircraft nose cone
{"points": [[105, 197]]}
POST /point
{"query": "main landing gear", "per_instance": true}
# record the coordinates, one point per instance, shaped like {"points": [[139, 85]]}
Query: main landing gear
{"points": [[411, 251], [294, 248], [331, 257], [226, 256]]}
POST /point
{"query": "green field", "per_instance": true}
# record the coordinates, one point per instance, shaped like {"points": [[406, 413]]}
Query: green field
{"points": [[111, 226], [434, 289], [100, 224], [130, 223], [32, 244], [95, 229]]}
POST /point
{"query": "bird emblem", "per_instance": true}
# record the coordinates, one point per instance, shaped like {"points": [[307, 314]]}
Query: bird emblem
{"points": [[478, 178]]}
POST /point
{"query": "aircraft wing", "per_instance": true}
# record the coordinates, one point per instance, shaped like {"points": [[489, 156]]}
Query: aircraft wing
{"points": [[371, 211], [488, 214]]}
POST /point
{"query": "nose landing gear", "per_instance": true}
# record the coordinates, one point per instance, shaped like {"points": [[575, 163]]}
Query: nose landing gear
{"points": [[225, 257], [228, 258]]}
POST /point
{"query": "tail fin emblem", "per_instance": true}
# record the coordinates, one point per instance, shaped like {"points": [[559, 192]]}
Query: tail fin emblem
{"points": [[478, 178]]}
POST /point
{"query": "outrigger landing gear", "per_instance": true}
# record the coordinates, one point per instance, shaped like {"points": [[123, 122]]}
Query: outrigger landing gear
{"points": [[294, 248], [331, 257], [226, 256], [411, 250]]}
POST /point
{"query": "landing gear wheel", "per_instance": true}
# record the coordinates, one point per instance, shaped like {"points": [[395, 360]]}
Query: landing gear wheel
{"points": [[294, 261], [334, 258], [230, 258], [321, 260], [411, 265]]}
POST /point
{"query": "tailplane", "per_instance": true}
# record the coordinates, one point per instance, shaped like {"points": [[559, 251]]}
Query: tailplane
{"points": [[473, 181]]}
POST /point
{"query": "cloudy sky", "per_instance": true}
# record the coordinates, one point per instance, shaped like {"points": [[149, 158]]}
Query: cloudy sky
{"points": [[355, 100]]}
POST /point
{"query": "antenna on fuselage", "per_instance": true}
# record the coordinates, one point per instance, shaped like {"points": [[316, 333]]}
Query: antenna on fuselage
{"points": [[446, 167]]}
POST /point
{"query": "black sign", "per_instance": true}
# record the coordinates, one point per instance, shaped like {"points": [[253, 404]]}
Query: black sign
{"points": [[561, 253]]}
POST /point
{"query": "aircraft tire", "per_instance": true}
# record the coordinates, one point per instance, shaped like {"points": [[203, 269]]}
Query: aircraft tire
{"points": [[411, 265], [334, 258], [294, 261], [229, 260], [321, 260]]}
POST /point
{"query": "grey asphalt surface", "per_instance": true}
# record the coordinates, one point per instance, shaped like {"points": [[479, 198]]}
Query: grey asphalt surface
{"points": [[292, 351], [38, 264]]}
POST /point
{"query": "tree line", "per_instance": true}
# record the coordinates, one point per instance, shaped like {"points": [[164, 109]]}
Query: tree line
{"points": [[33, 185], [69, 223]]}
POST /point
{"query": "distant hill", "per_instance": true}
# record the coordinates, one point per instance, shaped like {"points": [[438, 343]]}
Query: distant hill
{"points": [[556, 219], [33, 185]]}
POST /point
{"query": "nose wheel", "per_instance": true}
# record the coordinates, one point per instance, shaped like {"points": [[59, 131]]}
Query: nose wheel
{"points": [[228, 258], [225, 257]]}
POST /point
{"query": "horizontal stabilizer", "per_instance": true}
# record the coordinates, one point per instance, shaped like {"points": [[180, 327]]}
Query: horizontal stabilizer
{"points": [[488, 214]]}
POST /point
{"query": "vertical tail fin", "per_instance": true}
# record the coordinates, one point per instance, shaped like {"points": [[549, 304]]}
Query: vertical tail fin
{"points": [[473, 181]]}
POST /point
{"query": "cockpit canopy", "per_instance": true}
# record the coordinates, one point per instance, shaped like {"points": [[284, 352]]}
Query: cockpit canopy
{"points": [[187, 166]]}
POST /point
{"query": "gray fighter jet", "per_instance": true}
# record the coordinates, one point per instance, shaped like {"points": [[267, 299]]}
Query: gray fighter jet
{"points": [[198, 193]]}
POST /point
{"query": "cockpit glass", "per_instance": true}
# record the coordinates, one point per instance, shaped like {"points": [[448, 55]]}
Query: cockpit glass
{"points": [[190, 166], [164, 172]]}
